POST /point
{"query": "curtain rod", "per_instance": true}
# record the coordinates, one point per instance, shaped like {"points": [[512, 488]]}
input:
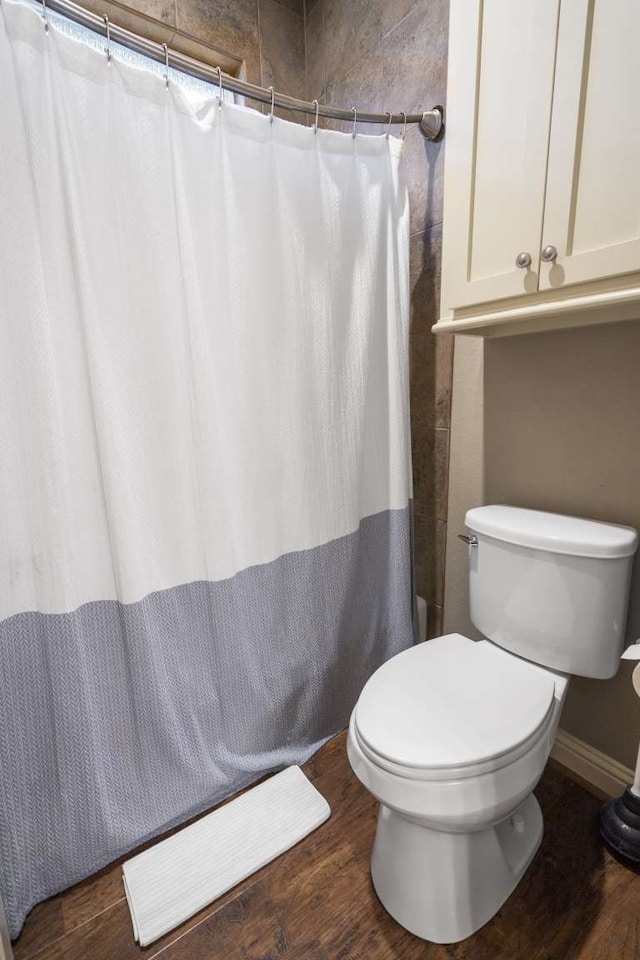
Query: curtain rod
{"points": [[431, 122]]}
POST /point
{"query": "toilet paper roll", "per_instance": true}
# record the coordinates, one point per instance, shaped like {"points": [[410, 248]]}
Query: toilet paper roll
{"points": [[633, 653]]}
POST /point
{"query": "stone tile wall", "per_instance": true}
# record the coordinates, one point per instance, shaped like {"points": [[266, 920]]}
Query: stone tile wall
{"points": [[383, 55], [267, 34]]}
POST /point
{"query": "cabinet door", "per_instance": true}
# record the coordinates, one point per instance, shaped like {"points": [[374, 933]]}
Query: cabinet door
{"points": [[500, 85], [592, 207]]}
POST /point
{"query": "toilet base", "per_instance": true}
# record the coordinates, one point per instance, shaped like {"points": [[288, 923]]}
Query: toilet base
{"points": [[445, 886]]}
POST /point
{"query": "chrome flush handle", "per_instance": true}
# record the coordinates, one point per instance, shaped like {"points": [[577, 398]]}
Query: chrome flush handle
{"points": [[472, 540]]}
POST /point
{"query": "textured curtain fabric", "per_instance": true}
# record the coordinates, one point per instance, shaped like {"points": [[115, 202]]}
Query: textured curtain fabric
{"points": [[205, 471]]}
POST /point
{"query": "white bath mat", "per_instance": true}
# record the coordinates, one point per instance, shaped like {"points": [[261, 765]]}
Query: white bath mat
{"points": [[179, 876]]}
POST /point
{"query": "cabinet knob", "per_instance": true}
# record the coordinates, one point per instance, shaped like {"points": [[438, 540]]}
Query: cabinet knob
{"points": [[523, 260], [549, 254]]}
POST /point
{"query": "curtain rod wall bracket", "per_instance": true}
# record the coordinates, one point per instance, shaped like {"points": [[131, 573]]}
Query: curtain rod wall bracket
{"points": [[432, 124]]}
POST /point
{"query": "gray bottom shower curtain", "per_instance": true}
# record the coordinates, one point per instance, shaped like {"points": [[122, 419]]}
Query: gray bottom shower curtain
{"points": [[205, 483]]}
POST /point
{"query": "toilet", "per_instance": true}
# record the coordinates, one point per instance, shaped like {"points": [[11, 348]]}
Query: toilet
{"points": [[452, 735]]}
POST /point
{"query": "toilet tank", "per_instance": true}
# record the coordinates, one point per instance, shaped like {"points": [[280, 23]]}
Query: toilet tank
{"points": [[550, 588]]}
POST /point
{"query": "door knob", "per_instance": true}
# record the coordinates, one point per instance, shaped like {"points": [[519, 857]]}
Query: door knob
{"points": [[523, 260], [549, 254]]}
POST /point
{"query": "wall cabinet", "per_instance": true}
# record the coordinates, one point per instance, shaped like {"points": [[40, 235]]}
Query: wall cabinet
{"points": [[542, 165]]}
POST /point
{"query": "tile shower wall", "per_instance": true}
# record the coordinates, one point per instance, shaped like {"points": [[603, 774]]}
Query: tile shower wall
{"points": [[392, 55], [267, 34]]}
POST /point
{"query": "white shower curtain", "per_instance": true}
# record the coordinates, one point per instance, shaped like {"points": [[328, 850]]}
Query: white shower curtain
{"points": [[204, 476]]}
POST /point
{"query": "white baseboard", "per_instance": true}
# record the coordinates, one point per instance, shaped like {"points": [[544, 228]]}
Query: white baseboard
{"points": [[598, 769]]}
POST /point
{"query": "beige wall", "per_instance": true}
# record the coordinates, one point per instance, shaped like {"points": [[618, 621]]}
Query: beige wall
{"points": [[466, 477], [561, 431], [391, 55]]}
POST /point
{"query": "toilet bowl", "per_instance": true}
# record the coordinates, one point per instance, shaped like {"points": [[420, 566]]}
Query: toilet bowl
{"points": [[452, 735], [453, 770]]}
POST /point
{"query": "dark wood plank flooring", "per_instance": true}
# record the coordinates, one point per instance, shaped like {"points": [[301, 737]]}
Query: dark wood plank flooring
{"points": [[316, 902]]}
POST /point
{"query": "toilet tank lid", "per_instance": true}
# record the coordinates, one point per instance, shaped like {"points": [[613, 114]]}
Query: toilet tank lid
{"points": [[553, 532]]}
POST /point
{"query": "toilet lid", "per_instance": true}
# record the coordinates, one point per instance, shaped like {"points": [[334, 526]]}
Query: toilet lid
{"points": [[451, 702]]}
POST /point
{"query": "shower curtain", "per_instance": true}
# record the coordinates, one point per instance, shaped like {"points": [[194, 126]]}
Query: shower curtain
{"points": [[205, 483]]}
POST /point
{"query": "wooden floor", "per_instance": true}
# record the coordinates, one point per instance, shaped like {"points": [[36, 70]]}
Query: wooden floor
{"points": [[316, 902]]}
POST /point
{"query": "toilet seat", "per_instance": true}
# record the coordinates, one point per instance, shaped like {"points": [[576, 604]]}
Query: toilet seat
{"points": [[457, 774], [452, 708]]}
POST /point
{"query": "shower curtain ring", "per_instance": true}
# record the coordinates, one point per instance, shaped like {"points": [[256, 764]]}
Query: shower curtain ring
{"points": [[108, 47], [355, 120], [166, 65], [315, 124], [219, 72], [45, 16], [388, 130], [404, 128], [273, 103]]}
